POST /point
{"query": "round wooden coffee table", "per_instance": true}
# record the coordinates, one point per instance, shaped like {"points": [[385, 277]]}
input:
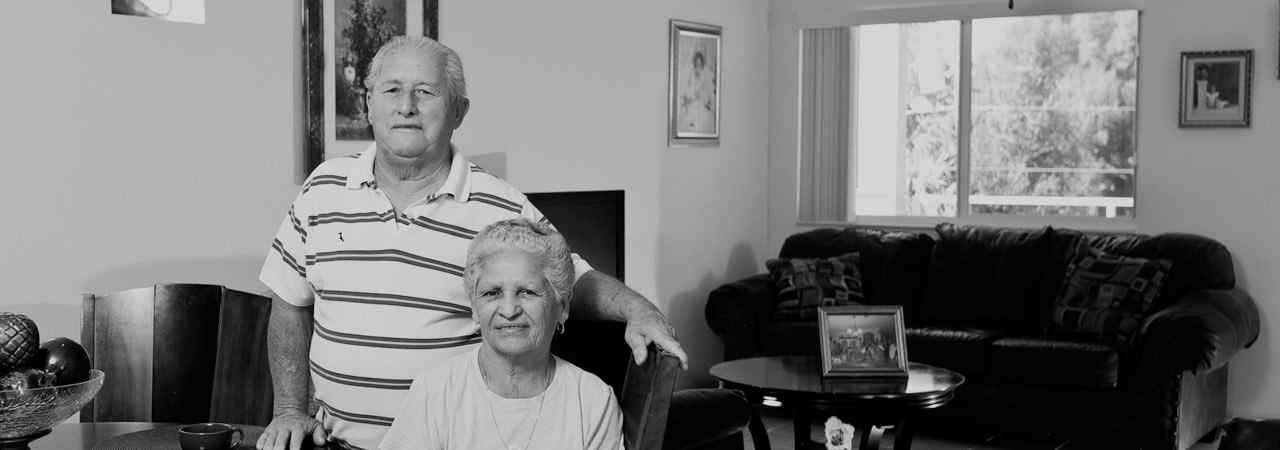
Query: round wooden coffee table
{"points": [[797, 383]]}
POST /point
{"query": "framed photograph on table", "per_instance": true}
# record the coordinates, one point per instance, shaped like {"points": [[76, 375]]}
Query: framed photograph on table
{"points": [[1216, 89], [339, 39], [863, 341], [693, 88]]}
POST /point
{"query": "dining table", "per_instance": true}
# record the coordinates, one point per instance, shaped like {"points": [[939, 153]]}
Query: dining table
{"points": [[123, 435]]}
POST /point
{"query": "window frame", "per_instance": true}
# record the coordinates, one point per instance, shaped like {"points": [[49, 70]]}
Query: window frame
{"points": [[965, 13]]}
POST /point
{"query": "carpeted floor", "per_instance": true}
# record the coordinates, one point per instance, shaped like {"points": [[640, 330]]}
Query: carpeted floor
{"points": [[781, 437]]}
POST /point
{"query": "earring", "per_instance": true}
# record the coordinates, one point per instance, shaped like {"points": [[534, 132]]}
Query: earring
{"points": [[560, 328]]}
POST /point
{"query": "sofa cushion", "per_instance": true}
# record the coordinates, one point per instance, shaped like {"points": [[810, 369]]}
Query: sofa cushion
{"points": [[1054, 362], [1199, 262], [986, 277], [892, 264], [1107, 296], [964, 350], [804, 284]]}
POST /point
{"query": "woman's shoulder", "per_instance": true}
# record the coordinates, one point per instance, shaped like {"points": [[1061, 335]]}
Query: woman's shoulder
{"points": [[449, 370]]}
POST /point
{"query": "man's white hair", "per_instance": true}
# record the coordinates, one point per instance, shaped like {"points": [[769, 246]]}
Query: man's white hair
{"points": [[454, 79]]}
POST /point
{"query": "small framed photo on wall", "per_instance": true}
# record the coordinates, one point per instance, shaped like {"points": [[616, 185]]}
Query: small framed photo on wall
{"points": [[1216, 89], [694, 84], [863, 341]]}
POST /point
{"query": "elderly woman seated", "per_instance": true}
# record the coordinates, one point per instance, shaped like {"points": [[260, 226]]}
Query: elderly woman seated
{"points": [[510, 392]]}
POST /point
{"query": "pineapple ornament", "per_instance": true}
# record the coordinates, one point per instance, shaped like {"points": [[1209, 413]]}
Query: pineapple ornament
{"points": [[19, 341]]}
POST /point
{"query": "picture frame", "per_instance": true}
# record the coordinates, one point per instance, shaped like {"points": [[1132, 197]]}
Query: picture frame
{"points": [[1216, 89], [863, 341], [693, 89], [335, 55]]}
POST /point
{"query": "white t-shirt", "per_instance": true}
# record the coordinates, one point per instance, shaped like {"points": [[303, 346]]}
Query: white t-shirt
{"points": [[449, 407]]}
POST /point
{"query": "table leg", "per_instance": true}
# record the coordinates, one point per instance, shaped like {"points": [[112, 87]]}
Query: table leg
{"points": [[800, 428], [759, 435], [866, 437], [902, 435]]}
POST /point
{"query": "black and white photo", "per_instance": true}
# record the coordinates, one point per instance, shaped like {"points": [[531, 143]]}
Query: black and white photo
{"points": [[862, 341], [1215, 89], [694, 117]]}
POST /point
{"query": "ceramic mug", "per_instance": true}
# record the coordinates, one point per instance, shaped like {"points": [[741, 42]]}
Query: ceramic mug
{"points": [[209, 436]]}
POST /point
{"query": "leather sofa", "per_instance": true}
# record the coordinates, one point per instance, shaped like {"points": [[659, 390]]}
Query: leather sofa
{"points": [[978, 300]]}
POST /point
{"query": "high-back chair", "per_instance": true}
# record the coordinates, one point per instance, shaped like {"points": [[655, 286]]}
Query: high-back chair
{"points": [[179, 353], [644, 392], [645, 399]]}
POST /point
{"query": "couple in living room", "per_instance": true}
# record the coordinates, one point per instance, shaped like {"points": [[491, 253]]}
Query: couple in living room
{"points": [[381, 256]]}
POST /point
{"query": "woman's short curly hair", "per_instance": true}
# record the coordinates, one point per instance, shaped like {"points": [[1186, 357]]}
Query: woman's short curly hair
{"points": [[524, 235]]}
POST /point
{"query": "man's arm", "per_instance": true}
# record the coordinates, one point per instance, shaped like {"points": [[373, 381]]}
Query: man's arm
{"points": [[598, 296], [288, 347]]}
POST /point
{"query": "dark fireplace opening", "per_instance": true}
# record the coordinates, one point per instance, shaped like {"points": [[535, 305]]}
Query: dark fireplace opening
{"points": [[592, 223]]}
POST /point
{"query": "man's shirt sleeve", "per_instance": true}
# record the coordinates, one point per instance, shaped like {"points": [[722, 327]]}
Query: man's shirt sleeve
{"points": [[285, 271]]}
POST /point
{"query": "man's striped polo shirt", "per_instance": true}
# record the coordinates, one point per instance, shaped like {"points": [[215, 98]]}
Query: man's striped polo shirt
{"points": [[387, 289]]}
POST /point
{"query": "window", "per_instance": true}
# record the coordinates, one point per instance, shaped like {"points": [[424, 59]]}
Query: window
{"points": [[1030, 118]]}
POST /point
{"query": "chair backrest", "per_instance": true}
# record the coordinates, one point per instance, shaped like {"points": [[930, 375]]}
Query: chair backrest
{"points": [[644, 392], [646, 399], [179, 353]]}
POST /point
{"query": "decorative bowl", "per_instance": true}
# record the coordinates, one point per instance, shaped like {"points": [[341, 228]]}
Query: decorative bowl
{"points": [[29, 413]]}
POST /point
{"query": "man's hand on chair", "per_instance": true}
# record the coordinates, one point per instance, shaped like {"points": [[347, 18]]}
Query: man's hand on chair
{"points": [[653, 327]]}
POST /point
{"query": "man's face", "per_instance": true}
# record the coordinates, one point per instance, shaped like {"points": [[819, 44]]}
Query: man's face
{"points": [[409, 106]]}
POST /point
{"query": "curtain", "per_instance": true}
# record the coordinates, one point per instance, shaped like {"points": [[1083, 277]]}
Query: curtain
{"points": [[824, 124]]}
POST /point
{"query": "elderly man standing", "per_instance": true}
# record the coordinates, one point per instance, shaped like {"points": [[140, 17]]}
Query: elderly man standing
{"points": [[367, 266]]}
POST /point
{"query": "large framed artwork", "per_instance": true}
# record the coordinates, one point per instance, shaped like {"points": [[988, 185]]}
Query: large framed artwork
{"points": [[1216, 89], [339, 38], [863, 341], [693, 86]]}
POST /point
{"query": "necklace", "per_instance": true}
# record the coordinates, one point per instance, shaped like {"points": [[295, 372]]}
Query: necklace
{"points": [[542, 397]]}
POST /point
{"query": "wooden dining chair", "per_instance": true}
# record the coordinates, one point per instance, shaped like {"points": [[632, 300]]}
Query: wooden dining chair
{"points": [[181, 353]]}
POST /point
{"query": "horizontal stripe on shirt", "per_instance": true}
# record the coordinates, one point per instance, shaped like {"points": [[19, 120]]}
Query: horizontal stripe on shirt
{"points": [[297, 225], [374, 298], [364, 340], [288, 259], [494, 200], [386, 216], [386, 255], [354, 380], [319, 180], [355, 417]]}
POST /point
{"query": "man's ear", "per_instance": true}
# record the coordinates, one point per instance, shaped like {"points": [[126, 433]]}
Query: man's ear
{"points": [[460, 108], [368, 106]]}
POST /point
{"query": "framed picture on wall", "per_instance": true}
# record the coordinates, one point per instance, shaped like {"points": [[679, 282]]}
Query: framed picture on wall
{"points": [[863, 341], [694, 84], [191, 11], [339, 38], [1215, 90]]}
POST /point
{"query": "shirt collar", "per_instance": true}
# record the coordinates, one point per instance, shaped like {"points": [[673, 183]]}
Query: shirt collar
{"points": [[457, 183]]}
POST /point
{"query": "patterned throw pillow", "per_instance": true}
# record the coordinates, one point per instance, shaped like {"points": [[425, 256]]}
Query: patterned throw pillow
{"points": [[805, 284], [1108, 296]]}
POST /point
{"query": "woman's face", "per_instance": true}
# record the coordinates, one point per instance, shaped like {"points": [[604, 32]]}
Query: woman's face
{"points": [[514, 304]]}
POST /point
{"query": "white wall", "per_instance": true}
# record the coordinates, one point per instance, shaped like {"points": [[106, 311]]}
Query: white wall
{"points": [[1219, 182], [144, 151]]}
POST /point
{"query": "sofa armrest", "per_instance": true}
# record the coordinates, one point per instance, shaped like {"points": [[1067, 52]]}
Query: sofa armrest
{"points": [[735, 312], [1201, 331]]}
